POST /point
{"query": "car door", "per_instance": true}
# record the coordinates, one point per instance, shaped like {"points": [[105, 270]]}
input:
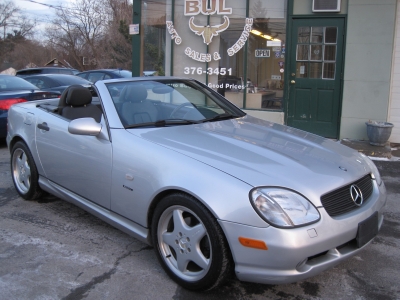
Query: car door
{"points": [[79, 163]]}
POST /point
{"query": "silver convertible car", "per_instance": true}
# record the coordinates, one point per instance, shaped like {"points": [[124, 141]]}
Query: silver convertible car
{"points": [[215, 191]]}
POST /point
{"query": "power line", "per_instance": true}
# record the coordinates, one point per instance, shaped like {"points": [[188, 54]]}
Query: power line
{"points": [[48, 5]]}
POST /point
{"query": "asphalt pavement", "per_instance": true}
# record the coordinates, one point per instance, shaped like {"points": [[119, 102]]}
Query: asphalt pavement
{"points": [[51, 249]]}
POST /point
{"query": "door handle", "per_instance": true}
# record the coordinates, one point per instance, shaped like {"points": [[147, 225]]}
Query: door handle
{"points": [[292, 81], [43, 126]]}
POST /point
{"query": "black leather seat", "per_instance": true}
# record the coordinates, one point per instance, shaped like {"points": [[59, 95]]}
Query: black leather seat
{"points": [[78, 105], [135, 108]]}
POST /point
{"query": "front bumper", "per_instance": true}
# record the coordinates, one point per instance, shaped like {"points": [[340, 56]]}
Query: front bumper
{"points": [[300, 253]]}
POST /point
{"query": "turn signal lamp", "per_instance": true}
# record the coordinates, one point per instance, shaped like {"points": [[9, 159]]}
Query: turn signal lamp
{"points": [[251, 243]]}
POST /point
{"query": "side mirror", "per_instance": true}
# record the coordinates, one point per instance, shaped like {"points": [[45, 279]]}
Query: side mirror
{"points": [[84, 126]]}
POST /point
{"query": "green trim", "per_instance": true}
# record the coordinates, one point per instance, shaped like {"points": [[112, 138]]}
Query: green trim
{"points": [[207, 48], [246, 49], [136, 39], [286, 77], [289, 8], [172, 41]]}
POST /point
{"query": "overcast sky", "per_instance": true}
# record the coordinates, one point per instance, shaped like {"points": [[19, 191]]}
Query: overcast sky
{"points": [[41, 11]]}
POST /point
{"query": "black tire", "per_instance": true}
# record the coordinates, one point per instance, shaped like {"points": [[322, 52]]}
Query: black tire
{"points": [[24, 172], [190, 244]]}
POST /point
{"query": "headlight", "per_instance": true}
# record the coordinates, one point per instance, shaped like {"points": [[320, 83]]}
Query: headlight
{"points": [[283, 208], [375, 173]]}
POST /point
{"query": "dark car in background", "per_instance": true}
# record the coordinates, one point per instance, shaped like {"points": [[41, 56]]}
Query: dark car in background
{"points": [[46, 70], [56, 82], [16, 90], [95, 75]]}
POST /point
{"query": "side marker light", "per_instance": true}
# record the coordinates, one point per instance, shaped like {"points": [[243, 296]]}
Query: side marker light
{"points": [[257, 244]]}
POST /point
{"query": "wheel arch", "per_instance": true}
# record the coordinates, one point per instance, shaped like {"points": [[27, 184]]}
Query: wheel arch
{"points": [[161, 195], [14, 140]]}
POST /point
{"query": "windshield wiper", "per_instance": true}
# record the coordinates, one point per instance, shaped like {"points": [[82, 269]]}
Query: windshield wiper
{"points": [[225, 116], [163, 123]]}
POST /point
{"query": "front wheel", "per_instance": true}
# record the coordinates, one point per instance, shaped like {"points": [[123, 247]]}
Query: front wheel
{"points": [[190, 244], [24, 172]]}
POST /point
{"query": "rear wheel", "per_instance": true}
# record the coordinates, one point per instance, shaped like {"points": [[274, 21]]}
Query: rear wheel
{"points": [[190, 244], [24, 172]]}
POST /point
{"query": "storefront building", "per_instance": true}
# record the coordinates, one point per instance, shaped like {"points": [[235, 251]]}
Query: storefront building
{"points": [[324, 66]]}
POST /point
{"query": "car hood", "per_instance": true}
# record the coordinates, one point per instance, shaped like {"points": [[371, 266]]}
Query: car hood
{"points": [[263, 153]]}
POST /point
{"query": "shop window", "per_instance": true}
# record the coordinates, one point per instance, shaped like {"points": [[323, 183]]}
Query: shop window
{"points": [[207, 40], [266, 55], [154, 15]]}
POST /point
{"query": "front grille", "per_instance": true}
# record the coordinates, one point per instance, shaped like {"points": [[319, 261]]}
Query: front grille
{"points": [[339, 201]]}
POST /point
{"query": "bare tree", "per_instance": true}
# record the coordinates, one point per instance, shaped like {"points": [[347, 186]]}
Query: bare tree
{"points": [[12, 20], [79, 29], [14, 29]]}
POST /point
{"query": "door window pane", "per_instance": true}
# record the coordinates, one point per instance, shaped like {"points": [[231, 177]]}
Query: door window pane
{"points": [[330, 52], [315, 70], [316, 52], [317, 34], [318, 56], [329, 71], [303, 35], [302, 52], [330, 35]]}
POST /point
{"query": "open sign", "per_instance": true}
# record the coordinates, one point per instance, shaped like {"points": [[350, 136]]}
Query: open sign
{"points": [[263, 52]]}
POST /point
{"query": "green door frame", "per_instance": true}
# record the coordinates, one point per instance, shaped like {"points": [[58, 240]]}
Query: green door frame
{"points": [[288, 66]]}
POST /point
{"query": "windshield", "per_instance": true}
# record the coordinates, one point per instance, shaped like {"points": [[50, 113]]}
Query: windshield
{"points": [[12, 83], [165, 102]]}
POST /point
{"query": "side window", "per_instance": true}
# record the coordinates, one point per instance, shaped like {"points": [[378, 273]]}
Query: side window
{"points": [[84, 76], [34, 81], [106, 76], [66, 71], [93, 77], [47, 83]]}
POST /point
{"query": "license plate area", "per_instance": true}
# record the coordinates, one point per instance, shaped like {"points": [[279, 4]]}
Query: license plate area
{"points": [[367, 230]]}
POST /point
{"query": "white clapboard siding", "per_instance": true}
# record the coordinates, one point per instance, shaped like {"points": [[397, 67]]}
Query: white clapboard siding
{"points": [[394, 107]]}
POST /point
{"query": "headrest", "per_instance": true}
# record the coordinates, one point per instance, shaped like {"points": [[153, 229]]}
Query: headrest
{"points": [[79, 96], [64, 94], [134, 93]]}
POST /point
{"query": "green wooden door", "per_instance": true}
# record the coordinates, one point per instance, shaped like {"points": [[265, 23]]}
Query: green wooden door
{"points": [[315, 78]]}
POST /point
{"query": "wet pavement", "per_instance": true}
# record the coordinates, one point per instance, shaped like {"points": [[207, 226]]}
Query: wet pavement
{"points": [[50, 249]]}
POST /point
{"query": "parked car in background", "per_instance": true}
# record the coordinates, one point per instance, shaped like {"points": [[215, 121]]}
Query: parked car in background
{"points": [[214, 190], [16, 90], [95, 75], [56, 82], [149, 73], [46, 70]]}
